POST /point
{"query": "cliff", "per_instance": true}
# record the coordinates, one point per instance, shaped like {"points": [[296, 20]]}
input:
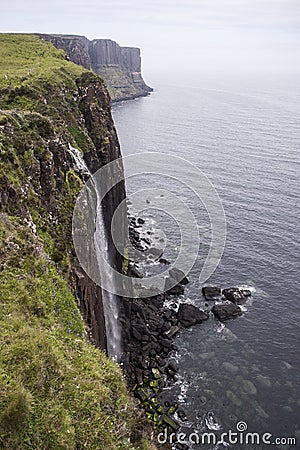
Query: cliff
{"points": [[120, 67], [57, 390]]}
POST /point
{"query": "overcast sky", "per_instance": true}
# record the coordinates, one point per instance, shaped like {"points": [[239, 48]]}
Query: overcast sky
{"points": [[189, 35]]}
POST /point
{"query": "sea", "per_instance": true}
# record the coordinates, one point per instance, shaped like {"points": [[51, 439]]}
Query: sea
{"points": [[241, 132]]}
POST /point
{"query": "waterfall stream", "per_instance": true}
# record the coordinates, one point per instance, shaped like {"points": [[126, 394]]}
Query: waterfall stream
{"points": [[110, 300]]}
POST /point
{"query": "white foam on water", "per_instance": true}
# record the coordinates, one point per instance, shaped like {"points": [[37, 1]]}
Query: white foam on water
{"points": [[243, 308], [211, 423], [252, 289]]}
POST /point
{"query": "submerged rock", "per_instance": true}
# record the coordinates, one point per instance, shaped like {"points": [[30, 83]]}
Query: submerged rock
{"points": [[226, 311], [211, 292], [172, 287], [189, 315], [248, 387], [230, 367], [287, 409], [207, 355], [178, 275], [286, 365], [264, 381], [233, 398], [260, 411]]}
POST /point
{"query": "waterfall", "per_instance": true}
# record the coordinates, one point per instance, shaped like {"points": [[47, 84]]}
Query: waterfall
{"points": [[110, 301]]}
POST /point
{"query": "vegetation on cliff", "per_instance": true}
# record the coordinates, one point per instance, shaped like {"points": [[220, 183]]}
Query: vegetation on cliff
{"points": [[120, 67], [57, 391]]}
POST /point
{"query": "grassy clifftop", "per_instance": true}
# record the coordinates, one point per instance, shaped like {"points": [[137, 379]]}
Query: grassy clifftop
{"points": [[57, 391], [24, 58]]}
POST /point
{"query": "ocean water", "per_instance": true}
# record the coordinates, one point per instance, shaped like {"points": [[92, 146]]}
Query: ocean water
{"points": [[244, 134]]}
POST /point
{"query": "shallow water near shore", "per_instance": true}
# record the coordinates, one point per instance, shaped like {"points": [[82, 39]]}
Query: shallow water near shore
{"points": [[244, 135]]}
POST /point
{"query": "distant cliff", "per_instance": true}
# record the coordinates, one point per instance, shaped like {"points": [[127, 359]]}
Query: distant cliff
{"points": [[120, 67]]}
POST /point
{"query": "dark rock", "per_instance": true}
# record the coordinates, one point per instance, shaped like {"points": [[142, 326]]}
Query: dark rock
{"points": [[136, 334], [235, 295], [146, 240], [165, 342], [134, 272], [189, 315], [246, 292], [168, 314], [140, 220], [178, 275], [172, 365], [172, 287], [156, 252], [172, 331], [164, 261], [211, 292], [182, 447], [166, 326], [226, 311], [167, 420], [203, 400], [138, 309], [181, 414], [159, 360]]}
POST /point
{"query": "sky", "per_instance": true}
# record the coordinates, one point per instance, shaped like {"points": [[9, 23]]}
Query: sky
{"points": [[183, 36]]}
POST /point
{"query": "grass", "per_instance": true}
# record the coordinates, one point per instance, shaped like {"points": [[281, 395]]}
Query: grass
{"points": [[26, 57], [56, 390]]}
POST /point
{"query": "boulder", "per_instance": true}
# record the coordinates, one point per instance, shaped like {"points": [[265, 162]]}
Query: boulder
{"points": [[164, 261], [178, 275], [236, 295], [172, 331], [172, 365], [172, 287], [155, 252], [189, 315], [248, 387], [211, 292], [134, 272], [226, 311], [169, 422]]}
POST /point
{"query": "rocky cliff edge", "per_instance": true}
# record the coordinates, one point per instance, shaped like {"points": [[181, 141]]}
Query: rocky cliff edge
{"points": [[119, 66]]}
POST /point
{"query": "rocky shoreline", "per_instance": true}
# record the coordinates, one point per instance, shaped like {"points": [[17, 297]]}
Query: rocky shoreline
{"points": [[149, 328]]}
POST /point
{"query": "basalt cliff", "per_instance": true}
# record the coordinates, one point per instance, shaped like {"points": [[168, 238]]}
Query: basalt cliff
{"points": [[58, 389], [119, 66]]}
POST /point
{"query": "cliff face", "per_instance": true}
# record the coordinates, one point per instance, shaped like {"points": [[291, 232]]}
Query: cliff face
{"points": [[48, 183], [120, 67], [56, 389]]}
